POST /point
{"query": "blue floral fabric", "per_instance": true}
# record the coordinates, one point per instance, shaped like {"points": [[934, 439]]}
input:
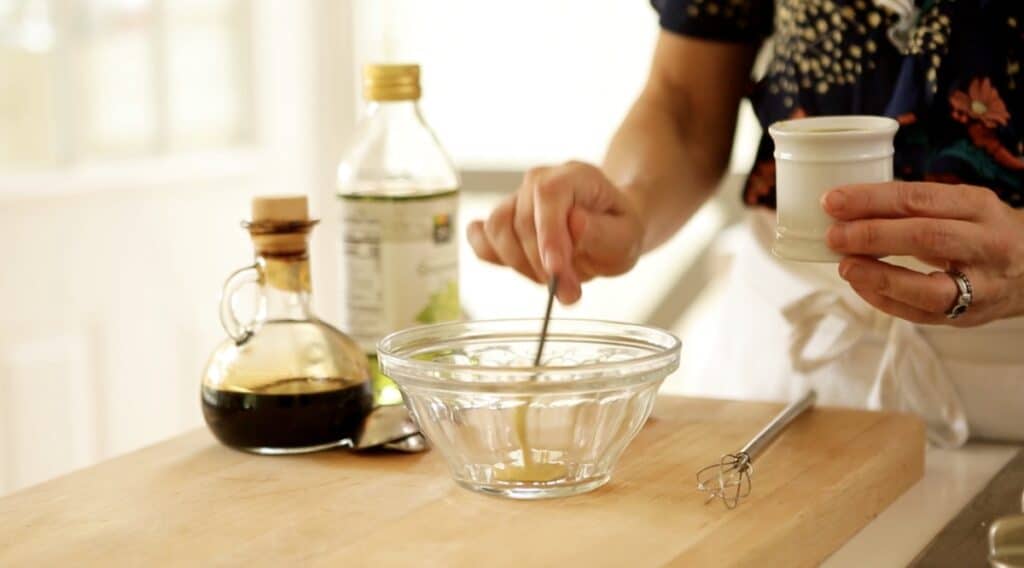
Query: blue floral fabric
{"points": [[948, 70]]}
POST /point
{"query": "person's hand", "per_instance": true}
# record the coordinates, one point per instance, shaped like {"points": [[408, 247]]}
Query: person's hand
{"points": [[947, 226], [567, 221]]}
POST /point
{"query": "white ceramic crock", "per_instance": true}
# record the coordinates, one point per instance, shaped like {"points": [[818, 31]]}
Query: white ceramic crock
{"points": [[813, 156]]}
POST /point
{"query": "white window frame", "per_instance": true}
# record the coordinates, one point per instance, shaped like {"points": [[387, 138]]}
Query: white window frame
{"points": [[302, 55]]}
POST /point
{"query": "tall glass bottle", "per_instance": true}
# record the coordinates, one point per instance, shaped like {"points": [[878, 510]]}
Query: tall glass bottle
{"points": [[399, 198], [284, 382]]}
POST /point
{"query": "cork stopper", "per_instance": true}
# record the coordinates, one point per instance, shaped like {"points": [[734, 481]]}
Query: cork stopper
{"points": [[279, 224], [281, 208]]}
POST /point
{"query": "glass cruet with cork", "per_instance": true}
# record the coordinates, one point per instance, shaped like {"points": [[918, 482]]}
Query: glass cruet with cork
{"points": [[284, 381]]}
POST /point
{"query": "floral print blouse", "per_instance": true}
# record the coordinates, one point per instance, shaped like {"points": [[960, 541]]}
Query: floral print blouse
{"points": [[948, 70]]}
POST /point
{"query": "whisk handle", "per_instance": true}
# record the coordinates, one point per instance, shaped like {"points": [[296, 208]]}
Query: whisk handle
{"points": [[778, 424]]}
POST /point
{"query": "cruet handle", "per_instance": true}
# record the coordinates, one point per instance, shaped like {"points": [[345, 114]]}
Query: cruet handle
{"points": [[238, 331]]}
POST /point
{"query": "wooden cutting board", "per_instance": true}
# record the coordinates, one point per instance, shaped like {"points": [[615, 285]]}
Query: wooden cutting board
{"points": [[190, 501]]}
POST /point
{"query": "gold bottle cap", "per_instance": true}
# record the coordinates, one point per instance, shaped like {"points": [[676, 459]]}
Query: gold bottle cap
{"points": [[280, 224], [391, 82]]}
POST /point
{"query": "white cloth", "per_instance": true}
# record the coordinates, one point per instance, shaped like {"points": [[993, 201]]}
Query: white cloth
{"points": [[782, 327]]}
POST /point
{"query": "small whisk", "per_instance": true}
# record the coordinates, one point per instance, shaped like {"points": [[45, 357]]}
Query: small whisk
{"points": [[729, 479]]}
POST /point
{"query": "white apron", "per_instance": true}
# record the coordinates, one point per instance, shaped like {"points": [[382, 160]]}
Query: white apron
{"points": [[781, 327]]}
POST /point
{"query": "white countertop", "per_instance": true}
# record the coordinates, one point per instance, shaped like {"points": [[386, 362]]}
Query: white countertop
{"points": [[952, 478]]}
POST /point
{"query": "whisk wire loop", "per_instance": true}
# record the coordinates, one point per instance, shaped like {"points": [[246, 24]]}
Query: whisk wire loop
{"points": [[729, 480]]}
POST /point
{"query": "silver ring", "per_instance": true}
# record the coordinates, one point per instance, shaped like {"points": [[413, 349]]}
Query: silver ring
{"points": [[964, 296]]}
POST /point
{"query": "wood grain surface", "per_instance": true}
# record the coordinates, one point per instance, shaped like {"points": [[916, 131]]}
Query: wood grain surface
{"points": [[189, 501]]}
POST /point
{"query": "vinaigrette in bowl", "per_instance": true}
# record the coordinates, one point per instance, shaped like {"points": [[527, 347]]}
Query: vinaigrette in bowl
{"points": [[507, 428]]}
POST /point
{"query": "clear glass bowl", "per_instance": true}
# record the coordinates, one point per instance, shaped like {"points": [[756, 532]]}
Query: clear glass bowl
{"points": [[508, 428]]}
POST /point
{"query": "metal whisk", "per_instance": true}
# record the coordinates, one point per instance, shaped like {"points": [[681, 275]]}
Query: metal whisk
{"points": [[729, 479]]}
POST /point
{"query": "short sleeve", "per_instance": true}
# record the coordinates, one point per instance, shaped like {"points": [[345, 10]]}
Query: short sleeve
{"points": [[740, 21]]}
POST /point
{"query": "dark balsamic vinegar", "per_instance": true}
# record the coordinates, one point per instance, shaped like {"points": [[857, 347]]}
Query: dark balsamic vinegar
{"points": [[288, 415]]}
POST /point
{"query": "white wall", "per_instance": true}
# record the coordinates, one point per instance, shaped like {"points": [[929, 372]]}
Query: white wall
{"points": [[108, 300], [516, 83], [520, 83], [106, 309]]}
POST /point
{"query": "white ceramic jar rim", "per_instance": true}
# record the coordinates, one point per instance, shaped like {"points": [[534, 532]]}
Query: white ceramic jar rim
{"points": [[833, 138]]}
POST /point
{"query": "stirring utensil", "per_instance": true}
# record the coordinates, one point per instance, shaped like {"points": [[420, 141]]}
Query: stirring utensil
{"points": [[528, 469], [729, 479], [552, 287]]}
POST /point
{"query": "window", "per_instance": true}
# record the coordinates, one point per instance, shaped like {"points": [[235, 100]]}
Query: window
{"points": [[101, 80]]}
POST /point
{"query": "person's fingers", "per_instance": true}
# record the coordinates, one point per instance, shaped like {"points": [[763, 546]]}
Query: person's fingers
{"points": [[897, 308], [524, 227], [552, 200], [502, 238], [481, 246], [582, 264], [960, 241], [608, 241], [940, 263], [577, 223], [932, 293], [533, 230], [899, 199]]}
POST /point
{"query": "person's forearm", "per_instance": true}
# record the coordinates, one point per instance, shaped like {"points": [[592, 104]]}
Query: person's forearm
{"points": [[672, 149], [668, 173]]}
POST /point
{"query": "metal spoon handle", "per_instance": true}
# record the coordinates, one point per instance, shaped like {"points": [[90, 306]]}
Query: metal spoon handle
{"points": [[552, 288], [778, 424]]}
